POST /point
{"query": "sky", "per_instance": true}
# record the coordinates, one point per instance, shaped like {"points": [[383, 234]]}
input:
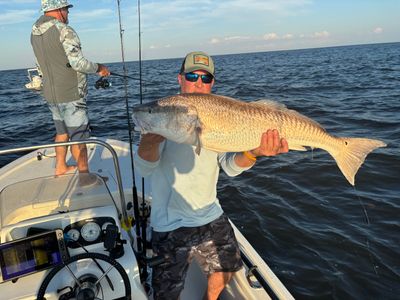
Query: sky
{"points": [[171, 28]]}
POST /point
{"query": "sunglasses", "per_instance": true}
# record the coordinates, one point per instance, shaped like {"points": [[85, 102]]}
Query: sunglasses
{"points": [[193, 77]]}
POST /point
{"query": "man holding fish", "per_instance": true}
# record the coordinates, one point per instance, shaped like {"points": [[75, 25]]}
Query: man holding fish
{"points": [[186, 216]]}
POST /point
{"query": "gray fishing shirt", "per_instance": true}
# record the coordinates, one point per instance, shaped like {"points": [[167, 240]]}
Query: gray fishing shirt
{"points": [[184, 185], [58, 52]]}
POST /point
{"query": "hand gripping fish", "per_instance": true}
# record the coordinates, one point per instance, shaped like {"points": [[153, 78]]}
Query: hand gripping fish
{"points": [[224, 124]]}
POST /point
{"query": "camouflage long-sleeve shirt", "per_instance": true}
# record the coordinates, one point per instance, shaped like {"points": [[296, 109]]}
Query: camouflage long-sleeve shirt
{"points": [[58, 51]]}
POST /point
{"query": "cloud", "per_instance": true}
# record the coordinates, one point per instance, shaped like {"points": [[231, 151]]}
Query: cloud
{"points": [[270, 36], [321, 34], [236, 38], [17, 16], [159, 47], [228, 39], [92, 14], [378, 30], [174, 12], [10, 2], [274, 36], [288, 36], [291, 7], [105, 27]]}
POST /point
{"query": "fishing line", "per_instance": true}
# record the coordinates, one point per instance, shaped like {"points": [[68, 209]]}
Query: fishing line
{"points": [[125, 76], [363, 207], [371, 258]]}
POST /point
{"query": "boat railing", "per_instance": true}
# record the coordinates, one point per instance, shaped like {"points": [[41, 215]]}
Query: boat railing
{"points": [[30, 71], [89, 141]]}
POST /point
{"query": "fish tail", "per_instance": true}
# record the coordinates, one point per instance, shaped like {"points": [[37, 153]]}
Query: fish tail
{"points": [[352, 154]]}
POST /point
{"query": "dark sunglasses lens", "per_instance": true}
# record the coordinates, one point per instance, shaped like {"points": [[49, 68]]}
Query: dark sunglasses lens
{"points": [[192, 77], [206, 78]]}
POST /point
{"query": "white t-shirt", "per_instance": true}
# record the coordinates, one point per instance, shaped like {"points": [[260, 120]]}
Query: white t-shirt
{"points": [[184, 185]]}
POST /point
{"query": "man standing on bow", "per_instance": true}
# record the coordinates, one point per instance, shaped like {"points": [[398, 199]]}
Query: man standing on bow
{"points": [[186, 216], [58, 51]]}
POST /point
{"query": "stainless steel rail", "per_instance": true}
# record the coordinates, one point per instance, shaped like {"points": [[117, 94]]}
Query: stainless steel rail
{"points": [[91, 141]]}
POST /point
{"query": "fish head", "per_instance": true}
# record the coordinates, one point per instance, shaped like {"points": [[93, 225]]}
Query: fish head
{"points": [[176, 122]]}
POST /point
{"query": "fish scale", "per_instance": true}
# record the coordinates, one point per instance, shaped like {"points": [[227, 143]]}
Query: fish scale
{"points": [[236, 128]]}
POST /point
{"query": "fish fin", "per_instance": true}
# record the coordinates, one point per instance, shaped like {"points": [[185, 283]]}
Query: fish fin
{"points": [[270, 103], [274, 105], [297, 147], [198, 141], [198, 149], [352, 155]]}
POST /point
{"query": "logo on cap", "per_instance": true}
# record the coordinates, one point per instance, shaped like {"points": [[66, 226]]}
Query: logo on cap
{"points": [[200, 59]]}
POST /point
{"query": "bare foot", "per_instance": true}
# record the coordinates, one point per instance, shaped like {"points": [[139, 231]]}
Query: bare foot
{"points": [[87, 179], [64, 170]]}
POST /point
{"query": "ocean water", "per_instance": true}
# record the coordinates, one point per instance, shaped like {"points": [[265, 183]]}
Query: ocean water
{"points": [[322, 237]]}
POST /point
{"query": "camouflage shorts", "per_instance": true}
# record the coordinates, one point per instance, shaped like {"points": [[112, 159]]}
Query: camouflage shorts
{"points": [[213, 245], [71, 118]]}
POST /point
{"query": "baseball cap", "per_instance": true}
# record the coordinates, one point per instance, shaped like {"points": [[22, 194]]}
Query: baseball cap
{"points": [[197, 61], [48, 5]]}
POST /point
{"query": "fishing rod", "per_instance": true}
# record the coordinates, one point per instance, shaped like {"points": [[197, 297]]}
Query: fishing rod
{"points": [[145, 211], [134, 189], [140, 219]]}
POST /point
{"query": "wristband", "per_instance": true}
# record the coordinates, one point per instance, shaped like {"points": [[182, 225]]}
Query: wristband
{"points": [[249, 155]]}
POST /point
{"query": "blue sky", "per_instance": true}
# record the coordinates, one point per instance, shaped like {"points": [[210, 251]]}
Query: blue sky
{"points": [[171, 28]]}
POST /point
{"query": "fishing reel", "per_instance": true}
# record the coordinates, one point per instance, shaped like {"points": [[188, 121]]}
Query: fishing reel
{"points": [[102, 83]]}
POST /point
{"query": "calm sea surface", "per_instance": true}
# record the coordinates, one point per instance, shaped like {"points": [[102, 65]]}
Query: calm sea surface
{"points": [[323, 238]]}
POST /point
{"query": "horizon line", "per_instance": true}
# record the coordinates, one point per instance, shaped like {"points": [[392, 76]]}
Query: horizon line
{"points": [[215, 55]]}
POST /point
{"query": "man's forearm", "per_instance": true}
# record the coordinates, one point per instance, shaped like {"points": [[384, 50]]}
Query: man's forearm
{"points": [[243, 160], [149, 152]]}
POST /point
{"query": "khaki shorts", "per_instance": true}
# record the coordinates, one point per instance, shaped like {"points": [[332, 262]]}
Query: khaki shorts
{"points": [[213, 245]]}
